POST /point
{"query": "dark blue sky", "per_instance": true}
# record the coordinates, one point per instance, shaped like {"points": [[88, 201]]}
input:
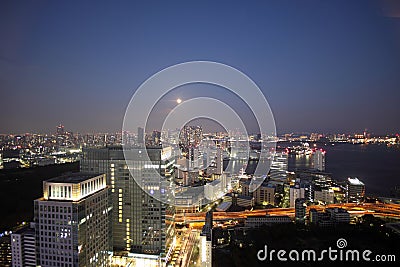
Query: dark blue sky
{"points": [[322, 65]]}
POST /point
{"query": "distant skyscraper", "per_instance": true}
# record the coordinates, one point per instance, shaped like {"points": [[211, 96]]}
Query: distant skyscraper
{"points": [[62, 136], [190, 137], [72, 221], [140, 136], [60, 129], [139, 220], [318, 159], [355, 190], [154, 139], [23, 247], [219, 161]]}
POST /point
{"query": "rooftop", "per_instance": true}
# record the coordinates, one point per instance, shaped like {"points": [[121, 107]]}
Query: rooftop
{"points": [[73, 178], [244, 197], [354, 181]]}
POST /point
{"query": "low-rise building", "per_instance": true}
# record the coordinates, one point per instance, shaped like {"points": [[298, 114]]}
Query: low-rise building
{"points": [[258, 221], [330, 217], [326, 196]]}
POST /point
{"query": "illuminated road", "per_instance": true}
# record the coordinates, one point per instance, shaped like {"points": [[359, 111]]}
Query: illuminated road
{"points": [[187, 240], [380, 210]]}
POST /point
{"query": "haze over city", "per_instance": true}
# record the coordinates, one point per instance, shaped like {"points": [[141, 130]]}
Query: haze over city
{"points": [[323, 66]]}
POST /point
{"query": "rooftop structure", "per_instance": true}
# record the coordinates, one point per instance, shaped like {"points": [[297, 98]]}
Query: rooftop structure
{"points": [[72, 221], [73, 187]]}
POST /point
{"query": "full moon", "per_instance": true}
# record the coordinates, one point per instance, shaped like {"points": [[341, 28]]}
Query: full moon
{"points": [[178, 100]]}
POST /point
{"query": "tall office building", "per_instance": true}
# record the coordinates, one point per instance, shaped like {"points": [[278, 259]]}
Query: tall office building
{"points": [[140, 136], [72, 221], [190, 136], [206, 241], [141, 224], [5, 250], [23, 247], [219, 161], [318, 159], [355, 190], [295, 192], [60, 135], [153, 139]]}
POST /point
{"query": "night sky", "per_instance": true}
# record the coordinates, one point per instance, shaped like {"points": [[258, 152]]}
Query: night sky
{"points": [[330, 66]]}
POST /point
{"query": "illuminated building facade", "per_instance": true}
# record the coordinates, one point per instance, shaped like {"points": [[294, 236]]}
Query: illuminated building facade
{"points": [[265, 194], [72, 221], [23, 246], [206, 241], [300, 210], [355, 190], [279, 167], [139, 220], [5, 250], [295, 192], [318, 159], [190, 137]]}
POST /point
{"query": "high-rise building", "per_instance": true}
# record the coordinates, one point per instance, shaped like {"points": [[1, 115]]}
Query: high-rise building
{"points": [[313, 217], [23, 246], [265, 194], [141, 224], [60, 129], [5, 250], [60, 135], [206, 241], [300, 209], [72, 221], [318, 159], [295, 192], [140, 136], [355, 190], [190, 136], [219, 161], [153, 139]]}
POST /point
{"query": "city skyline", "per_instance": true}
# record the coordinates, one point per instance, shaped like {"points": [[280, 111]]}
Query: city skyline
{"points": [[199, 133], [323, 67]]}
